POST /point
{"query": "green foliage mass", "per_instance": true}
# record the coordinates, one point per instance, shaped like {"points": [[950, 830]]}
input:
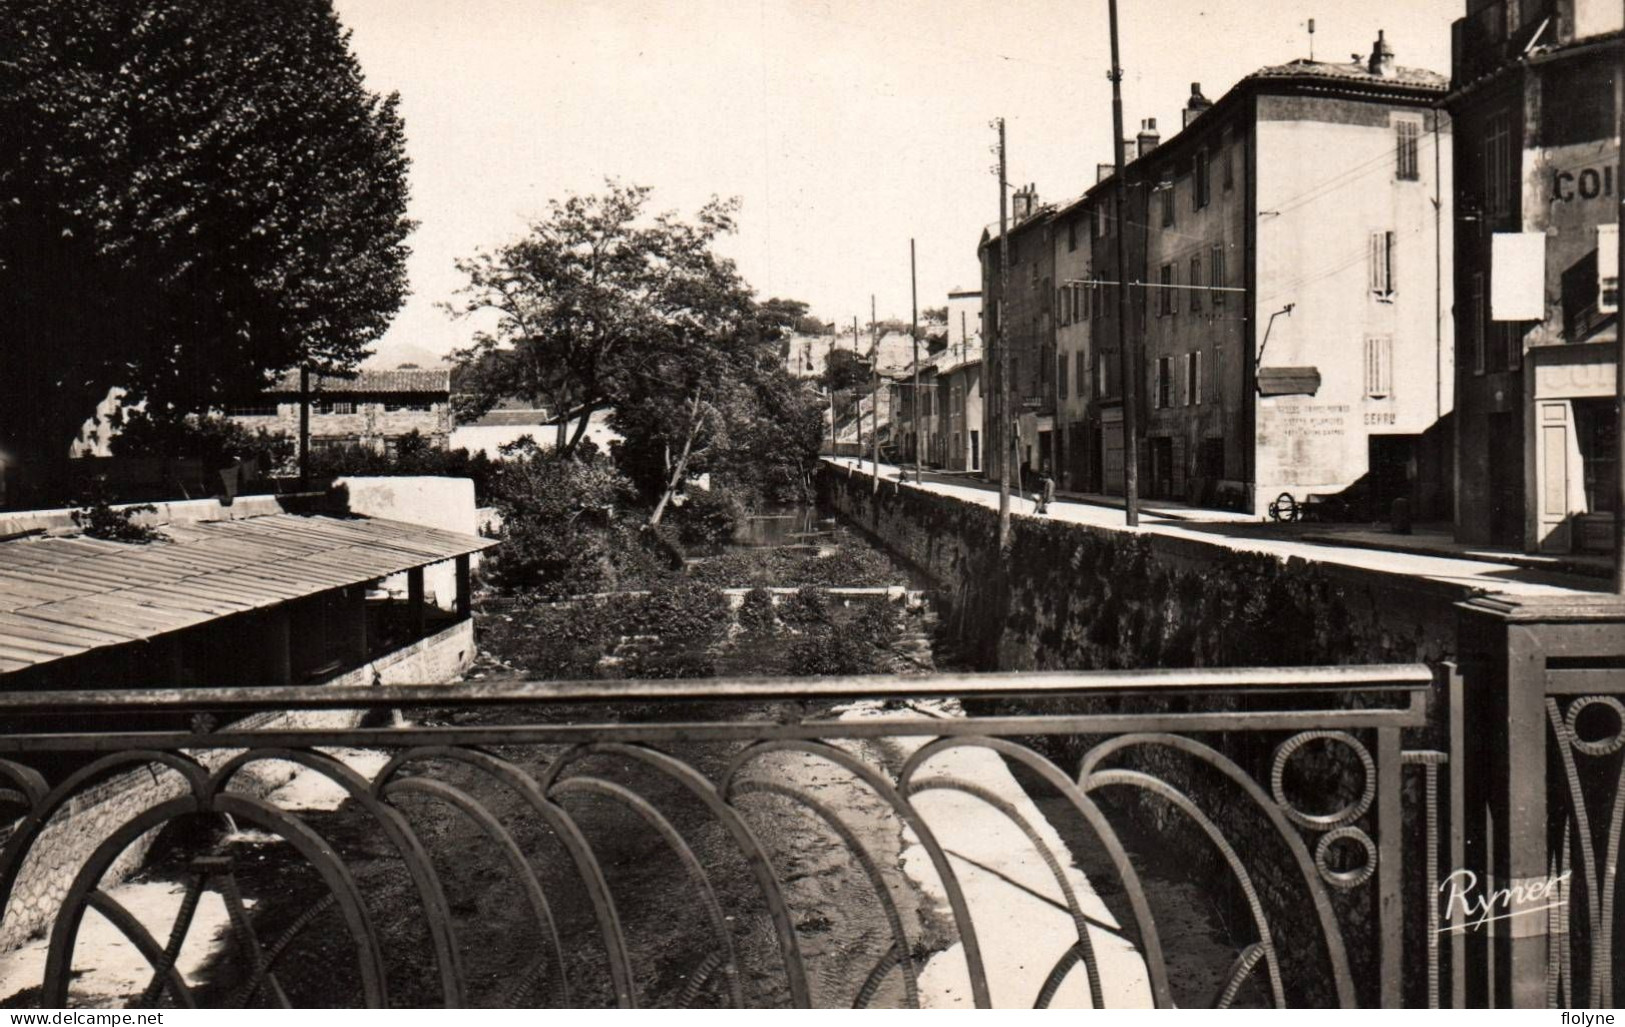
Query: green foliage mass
{"points": [[414, 455], [756, 613], [217, 441], [605, 306], [569, 527], [197, 196], [116, 524]]}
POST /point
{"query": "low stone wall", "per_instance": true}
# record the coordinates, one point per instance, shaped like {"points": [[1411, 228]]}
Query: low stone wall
{"points": [[1072, 596], [1080, 597], [94, 813]]}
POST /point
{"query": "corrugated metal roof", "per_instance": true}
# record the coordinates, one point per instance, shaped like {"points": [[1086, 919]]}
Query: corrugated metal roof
{"points": [[61, 596]]}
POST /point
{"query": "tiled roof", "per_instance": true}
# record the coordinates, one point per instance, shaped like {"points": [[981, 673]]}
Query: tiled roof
{"points": [[401, 379], [1352, 72], [62, 596]]}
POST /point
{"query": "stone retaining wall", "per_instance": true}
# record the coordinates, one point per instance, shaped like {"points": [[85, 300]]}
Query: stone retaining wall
{"points": [[1073, 596]]}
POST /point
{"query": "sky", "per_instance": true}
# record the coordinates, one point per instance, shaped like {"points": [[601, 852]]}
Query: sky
{"points": [[845, 127]]}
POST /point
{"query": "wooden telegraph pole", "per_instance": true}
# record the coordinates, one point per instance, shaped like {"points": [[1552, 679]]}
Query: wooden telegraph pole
{"points": [[1001, 412], [874, 395], [1131, 446], [857, 400], [914, 333]]}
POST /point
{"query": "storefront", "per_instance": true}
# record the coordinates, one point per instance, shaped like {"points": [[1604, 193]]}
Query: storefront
{"points": [[1576, 451]]}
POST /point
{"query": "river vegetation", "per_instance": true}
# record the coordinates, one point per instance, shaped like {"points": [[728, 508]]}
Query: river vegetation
{"points": [[606, 306], [688, 629]]}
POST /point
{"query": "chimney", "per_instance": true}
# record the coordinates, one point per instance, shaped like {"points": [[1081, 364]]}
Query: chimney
{"points": [[1148, 137], [1195, 105], [1104, 171], [1026, 202], [1382, 58]]}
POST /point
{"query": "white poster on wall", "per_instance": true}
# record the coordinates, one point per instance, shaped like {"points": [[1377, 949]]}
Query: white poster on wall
{"points": [[1518, 276]]}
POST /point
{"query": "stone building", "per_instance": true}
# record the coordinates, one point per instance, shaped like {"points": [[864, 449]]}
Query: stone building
{"points": [[373, 410], [1534, 103], [1288, 256], [1022, 327], [959, 379]]}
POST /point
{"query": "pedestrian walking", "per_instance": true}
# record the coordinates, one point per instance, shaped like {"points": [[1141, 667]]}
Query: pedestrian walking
{"points": [[1046, 493]]}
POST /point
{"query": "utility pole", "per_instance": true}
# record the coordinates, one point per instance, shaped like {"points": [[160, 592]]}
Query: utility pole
{"points": [[1002, 393], [1619, 358], [874, 396], [914, 334], [1131, 445], [304, 429], [834, 447], [857, 399]]}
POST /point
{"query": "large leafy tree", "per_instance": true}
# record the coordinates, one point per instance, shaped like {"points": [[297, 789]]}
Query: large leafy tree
{"points": [[603, 306], [194, 197], [584, 307], [725, 406]]}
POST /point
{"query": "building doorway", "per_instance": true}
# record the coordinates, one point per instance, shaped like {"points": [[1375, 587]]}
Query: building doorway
{"points": [[1392, 474], [1506, 482], [1162, 467]]}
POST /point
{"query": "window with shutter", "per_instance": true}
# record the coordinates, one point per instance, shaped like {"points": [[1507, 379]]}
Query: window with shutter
{"points": [[1379, 366], [1498, 170], [1382, 264], [1406, 135], [1196, 280], [1216, 274]]}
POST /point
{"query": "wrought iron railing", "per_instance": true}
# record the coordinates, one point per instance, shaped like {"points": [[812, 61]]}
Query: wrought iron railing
{"points": [[979, 839]]}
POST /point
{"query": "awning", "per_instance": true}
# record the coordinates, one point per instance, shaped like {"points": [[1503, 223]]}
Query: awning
{"points": [[62, 596]]}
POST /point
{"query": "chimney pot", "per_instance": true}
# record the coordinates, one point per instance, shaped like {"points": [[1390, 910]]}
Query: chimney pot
{"points": [[1148, 137], [1382, 57]]}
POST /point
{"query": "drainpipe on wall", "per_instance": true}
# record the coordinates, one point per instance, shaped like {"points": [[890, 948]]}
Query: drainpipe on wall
{"points": [[1619, 342]]}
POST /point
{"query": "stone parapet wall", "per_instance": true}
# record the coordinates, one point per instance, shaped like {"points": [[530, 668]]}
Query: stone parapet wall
{"points": [[1081, 597]]}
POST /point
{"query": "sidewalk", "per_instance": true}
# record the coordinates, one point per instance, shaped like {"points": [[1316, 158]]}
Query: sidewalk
{"points": [[1425, 557], [1443, 543]]}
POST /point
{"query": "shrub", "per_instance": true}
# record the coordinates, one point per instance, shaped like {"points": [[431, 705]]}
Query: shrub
{"points": [[756, 613], [557, 642], [414, 455], [217, 441], [100, 520], [709, 516], [838, 649], [806, 608], [564, 530], [685, 612]]}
